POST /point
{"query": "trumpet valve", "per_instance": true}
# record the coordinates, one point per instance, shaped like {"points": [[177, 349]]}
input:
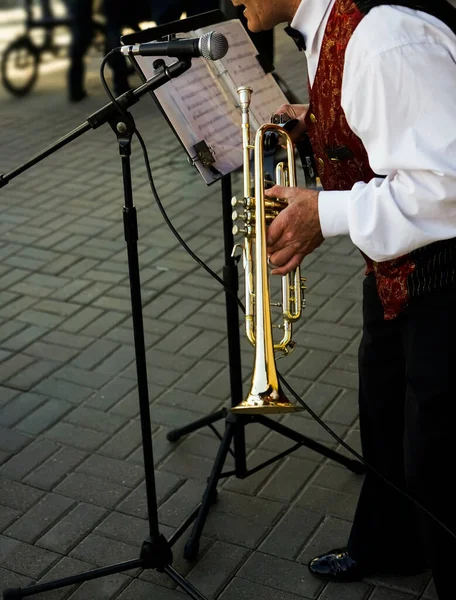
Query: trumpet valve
{"points": [[248, 231]]}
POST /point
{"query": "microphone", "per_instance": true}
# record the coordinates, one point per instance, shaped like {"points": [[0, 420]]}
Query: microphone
{"points": [[212, 46]]}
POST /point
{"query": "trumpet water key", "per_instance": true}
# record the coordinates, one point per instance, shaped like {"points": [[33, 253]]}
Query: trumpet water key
{"points": [[257, 211]]}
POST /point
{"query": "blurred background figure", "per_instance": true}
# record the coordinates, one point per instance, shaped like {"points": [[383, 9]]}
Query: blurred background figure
{"points": [[117, 15], [80, 12]]}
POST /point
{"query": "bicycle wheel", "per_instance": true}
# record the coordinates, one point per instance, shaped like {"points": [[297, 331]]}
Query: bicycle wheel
{"points": [[19, 68]]}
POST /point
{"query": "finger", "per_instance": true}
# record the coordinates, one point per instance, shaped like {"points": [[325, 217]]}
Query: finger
{"points": [[278, 191], [290, 266], [282, 256], [275, 231]]}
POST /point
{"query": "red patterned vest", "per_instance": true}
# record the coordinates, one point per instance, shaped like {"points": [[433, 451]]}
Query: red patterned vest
{"points": [[342, 160]]}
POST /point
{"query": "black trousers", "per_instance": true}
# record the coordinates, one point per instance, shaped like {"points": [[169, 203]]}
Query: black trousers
{"points": [[80, 12], [407, 408]]}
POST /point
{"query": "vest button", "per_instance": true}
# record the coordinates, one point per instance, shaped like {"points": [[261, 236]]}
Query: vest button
{"points": [[321, 162], [313, 118]]}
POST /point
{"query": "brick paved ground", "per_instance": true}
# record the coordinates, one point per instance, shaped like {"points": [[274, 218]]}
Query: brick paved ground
{"points": [[71, 476]]}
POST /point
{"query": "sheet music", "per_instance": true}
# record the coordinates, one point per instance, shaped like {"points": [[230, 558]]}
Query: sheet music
{"points": [[240, 67], [198, 110], [202, 104]]}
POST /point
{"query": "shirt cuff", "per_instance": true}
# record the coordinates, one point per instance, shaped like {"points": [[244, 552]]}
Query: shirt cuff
{"points": [[333, 213]]}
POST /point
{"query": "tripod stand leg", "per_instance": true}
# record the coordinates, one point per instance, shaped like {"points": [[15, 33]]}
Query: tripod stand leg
{"points": [[176, 434], [354, 465], [184, 584], [210, 493]]}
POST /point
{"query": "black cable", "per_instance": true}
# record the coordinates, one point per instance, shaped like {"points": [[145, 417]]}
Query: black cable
{"points": [[222, 283]]}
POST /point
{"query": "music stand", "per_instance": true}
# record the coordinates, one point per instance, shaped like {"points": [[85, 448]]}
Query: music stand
{"points": [[234, 423], [156, 551]]}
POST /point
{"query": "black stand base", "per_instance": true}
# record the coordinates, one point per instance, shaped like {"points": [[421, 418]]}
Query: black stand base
{"points": [[232, 424], [154, 555]]}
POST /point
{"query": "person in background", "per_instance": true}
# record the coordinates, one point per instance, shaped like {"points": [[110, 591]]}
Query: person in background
{"points": [[382, 123]]}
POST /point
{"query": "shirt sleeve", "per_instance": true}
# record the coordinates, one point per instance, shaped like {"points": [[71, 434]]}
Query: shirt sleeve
{"points": [[402, 104]]}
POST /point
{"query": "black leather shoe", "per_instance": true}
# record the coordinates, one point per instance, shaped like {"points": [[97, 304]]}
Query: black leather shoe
{"points": [[336, 565]]}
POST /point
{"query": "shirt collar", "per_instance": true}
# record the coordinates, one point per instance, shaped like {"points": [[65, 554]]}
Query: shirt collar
{"points": [[308, 20]]}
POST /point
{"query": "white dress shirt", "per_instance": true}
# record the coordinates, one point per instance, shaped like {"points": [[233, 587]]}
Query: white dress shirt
{"points": [[399, 97]]}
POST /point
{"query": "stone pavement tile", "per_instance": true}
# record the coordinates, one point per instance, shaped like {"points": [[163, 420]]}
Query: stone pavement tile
{"points": [[135, 504], [62, 338], [203, 445], [187, 465], [24, 558], [28, 459], [103, 551], [12, 441], [47, 475], [65, 391], [253, 483], [124, 528], [121, 444], [94, 354], [242, 589], [288, 480], [91, 377], [19, 407], [18, 496], [181, 503], [25, 337], [388, 594], [347, 591], [39, 518], [78, 437], [161, 447], [103, 588], [14, 365], [72, 528], [290, 534], [337, 478], [415, 585], [199, 402], [344, 409], [67, 567], [179, 337], [7, 516], [142, 590], [46, 415], [110, 469], [337, 504], [53, 352], [110, 394], [93, 490], [83, 416], [235, 530], [281, 574], [33, 374], [12, 580], [340, 377], [199, 376], [216, 567]]}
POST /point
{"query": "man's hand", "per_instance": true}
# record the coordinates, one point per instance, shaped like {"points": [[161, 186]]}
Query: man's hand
{"points": [[298, 112], [296, 231]]}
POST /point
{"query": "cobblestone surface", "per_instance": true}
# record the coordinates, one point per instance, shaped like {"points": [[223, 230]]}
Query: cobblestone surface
{"points": [[72, 493]]}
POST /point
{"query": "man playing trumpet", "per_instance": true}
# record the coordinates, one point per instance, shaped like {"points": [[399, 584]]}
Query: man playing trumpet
{"points": [[382, 122]]}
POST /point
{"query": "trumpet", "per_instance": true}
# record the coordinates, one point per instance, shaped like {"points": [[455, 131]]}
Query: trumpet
{"points": [[266, 395]]}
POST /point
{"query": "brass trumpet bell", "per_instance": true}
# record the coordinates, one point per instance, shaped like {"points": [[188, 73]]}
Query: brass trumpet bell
{"points": [[269, 403]]}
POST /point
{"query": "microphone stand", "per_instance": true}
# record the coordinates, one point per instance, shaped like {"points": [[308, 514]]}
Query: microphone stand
{"points": [[156, 550]]}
